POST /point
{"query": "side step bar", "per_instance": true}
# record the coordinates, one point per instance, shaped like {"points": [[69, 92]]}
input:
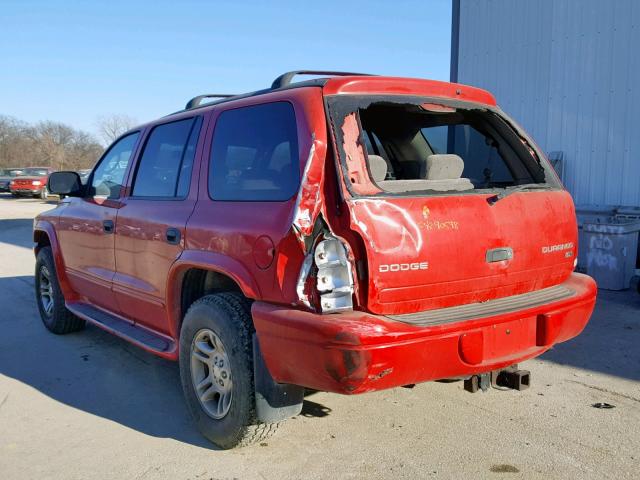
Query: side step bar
{"points": [[128, 330]]}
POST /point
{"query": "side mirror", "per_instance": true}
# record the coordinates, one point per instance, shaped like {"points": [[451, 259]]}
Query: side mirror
{"points": [[65, 183]]}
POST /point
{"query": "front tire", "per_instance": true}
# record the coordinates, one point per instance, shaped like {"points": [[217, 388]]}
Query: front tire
{"points": [[216, 371], [44, 194], [49, 298]]}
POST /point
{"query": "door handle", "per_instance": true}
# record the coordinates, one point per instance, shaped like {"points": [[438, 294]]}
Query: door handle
{"points": [[173, 236], [107, 226]]}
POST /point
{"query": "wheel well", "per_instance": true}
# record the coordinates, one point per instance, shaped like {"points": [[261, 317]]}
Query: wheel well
{"points": [[41, 239], [198, 282]]}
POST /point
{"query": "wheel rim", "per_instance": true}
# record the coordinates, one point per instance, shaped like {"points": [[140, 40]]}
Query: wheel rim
{"points": [[211, 373], [46, 291]]}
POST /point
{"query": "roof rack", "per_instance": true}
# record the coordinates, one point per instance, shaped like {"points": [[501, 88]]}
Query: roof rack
{"points": [[286, 78], [283, 81], [196, 101]]}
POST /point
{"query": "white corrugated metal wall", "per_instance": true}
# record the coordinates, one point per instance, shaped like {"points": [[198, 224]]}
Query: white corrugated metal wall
{"points": [[569, 72]]}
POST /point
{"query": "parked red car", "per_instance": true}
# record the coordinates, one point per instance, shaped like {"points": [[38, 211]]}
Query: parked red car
{"points": [[345, 234], [32, 181]]}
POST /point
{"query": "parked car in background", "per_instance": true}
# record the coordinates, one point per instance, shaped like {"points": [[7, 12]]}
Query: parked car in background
{"points": [[6, 175], [344, 234], [32, 181]]}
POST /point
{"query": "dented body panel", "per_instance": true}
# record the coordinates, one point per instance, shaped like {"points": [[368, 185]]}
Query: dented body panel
{"points": [[430, 253]]}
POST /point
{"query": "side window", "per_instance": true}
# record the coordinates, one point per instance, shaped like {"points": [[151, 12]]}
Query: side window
{"points": [[109, 175], [254, 156], [165, 166]]}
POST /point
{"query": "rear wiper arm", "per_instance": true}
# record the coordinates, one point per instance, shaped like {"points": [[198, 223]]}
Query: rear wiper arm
{"points": [[518, 188]]}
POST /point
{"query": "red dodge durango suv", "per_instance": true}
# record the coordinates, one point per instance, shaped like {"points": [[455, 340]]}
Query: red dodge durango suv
{"points": [[348, 233]]}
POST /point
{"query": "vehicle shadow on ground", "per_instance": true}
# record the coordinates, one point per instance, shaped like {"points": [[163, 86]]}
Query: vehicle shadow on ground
{"points": [[609, 343], [15, 231], [52, 200], [97, 373]]}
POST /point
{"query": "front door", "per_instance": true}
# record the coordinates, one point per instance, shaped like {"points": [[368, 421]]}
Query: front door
{"points": [[87, 225], [151, 222]]}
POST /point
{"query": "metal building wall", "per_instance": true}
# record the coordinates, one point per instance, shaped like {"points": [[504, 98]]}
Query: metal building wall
{"points": [[569, 72]]}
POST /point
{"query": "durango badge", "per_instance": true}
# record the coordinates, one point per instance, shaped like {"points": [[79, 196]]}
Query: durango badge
{"points": [[557, 248]]}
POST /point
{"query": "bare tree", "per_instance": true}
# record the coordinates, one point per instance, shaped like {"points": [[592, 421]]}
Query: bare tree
{"points": [[46, 144], [111, 127]]}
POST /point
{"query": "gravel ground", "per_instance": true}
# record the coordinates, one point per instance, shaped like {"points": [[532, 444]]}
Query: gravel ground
{"points": [[89, 405]]}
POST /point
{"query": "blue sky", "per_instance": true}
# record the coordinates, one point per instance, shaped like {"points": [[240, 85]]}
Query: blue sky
{"points": [[73, 61]]}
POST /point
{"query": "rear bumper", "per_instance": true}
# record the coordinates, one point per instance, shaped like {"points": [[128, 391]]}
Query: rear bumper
{"points": [[358, 352]]}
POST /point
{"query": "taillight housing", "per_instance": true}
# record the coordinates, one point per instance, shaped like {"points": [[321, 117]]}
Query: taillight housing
{"points": [[326, 280]]}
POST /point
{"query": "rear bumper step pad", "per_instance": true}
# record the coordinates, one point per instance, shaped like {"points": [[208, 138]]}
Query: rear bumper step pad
{"points": [[485, 309]]}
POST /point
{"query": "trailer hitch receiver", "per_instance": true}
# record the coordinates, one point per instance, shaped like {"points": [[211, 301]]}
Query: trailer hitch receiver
{"points": [[513, 378], [509, 377]]}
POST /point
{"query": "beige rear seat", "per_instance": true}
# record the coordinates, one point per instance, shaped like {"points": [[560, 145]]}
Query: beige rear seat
{"points": [[440, 173]]}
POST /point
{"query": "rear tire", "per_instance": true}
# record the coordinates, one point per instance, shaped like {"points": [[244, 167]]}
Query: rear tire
{"points": [[218, 327], [49, 298]]}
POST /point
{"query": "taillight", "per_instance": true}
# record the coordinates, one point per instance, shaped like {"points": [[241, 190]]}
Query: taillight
{"points": [[334, 277]]}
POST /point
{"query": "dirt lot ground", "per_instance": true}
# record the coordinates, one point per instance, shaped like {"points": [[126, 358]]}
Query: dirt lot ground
{"points": [[88, 405]]}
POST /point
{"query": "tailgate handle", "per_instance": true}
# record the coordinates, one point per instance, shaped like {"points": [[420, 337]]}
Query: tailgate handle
{"points": [[499, 254]]}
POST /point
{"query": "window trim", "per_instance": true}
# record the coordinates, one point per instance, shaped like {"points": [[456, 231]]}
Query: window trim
{"points": [[140, 155], [134, 153], [209, 161]]}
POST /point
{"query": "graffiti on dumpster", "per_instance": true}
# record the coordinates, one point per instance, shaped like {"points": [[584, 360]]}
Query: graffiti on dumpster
{"points": [[601, 251]]}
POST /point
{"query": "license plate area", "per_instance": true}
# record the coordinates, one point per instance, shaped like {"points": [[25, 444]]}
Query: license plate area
{"points": [[498, 341]]}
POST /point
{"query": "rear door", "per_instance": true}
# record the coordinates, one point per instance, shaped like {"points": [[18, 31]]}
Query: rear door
{"points": [[86, 226], [150, 230]]}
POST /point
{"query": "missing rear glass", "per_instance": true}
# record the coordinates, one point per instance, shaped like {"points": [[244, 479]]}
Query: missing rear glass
{"points": [[431, 147]]}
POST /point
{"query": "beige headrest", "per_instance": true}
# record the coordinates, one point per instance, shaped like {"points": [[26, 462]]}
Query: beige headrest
{"points": [[443, 167], [378, 168]]}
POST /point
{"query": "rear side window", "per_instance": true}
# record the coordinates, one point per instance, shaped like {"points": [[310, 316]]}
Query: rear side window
{"points": [[254, 155], [166, 163]]}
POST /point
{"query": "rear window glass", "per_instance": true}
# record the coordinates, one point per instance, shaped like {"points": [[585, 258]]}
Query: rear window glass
{"points": [[167, 160], [254, 155]]}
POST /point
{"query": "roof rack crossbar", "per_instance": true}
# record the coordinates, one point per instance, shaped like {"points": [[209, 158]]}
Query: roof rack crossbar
{"points": [[196, 101], [286, 78]]}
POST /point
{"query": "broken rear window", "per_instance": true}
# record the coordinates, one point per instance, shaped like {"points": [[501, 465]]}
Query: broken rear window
{"points": [[394, 147]]}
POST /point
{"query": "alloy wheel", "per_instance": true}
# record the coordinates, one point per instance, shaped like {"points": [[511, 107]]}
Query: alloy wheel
{"points": [[211, 373], [46, 291]]}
